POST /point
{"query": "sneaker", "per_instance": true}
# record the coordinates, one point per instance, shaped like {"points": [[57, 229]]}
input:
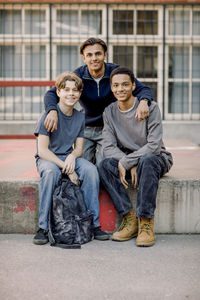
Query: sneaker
{"points": [[100, 235], [41, 237]]}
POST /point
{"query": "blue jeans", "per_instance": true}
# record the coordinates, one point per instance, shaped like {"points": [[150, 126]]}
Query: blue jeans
{"points": [[149, 170], [50, 174], [93, 144]]}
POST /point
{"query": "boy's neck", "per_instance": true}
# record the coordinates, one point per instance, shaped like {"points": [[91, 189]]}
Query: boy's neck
{"points": [[126, 105], [66, 110]]}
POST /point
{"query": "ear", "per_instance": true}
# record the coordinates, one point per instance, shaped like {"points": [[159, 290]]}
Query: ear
{"points": [[83, 57], [58, 93], [105, 55], [133, 86]]}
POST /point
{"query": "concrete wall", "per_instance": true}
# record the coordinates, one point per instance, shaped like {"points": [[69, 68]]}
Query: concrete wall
{"points": [[178, 207]]}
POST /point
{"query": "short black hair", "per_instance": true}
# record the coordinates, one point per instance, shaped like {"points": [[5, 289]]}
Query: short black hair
{"points": [[92, 41], [122, 70]]}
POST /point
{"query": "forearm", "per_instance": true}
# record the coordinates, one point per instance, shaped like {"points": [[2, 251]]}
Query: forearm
{"points": [[78, 147], [50, 156], [131, 160], [50, 100]]}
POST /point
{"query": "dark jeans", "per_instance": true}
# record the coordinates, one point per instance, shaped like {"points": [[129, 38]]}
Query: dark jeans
{"points": [[149, 170]]}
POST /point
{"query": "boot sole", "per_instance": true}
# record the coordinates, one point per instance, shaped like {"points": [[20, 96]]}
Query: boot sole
{"points": [[124, 239], [40, 242], [145, 244]]}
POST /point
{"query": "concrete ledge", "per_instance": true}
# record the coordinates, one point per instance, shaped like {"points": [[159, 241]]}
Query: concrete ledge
{"points": [[178, 206]]}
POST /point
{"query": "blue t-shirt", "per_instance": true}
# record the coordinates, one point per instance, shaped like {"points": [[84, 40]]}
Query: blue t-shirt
{"points": [[69, 128]]}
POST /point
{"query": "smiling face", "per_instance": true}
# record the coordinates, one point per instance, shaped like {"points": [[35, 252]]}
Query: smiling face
{"points": [[122, 87], [69, 95], [94, 56]]}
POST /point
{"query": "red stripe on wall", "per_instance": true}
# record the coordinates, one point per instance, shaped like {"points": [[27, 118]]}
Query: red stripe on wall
{"points": [[26, 83]]}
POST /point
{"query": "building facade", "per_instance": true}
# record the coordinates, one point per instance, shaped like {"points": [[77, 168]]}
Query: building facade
{"points": [[158, 40]]}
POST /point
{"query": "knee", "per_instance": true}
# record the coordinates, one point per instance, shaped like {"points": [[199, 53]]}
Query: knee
{"points": [[147, 159], [51, 173], [104, 165], [91, 171]]}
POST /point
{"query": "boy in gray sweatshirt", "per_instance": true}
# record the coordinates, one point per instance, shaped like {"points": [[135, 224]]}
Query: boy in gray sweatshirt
{"points": [[132, 149]]}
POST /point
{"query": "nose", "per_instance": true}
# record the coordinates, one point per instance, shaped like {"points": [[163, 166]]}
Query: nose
{"points": [[120, 87]]}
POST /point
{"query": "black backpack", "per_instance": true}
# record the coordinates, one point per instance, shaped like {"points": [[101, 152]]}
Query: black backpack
{"points": [[70, 223]]}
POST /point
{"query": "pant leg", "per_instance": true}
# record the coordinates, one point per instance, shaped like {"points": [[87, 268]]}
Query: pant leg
{"points": [[50, 174], [93, 144], [89, 178], [149, 170], [109, 175], [89, 149]]}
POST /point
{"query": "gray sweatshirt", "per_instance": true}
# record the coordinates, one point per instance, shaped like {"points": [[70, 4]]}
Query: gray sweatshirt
{"points": [[127, 139]]}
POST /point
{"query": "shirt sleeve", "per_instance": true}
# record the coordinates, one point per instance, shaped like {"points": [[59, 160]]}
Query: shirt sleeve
{"points": [[110, 148], [81, 132], [154, 140], [142, 91], [40, 128], [50, 100]]}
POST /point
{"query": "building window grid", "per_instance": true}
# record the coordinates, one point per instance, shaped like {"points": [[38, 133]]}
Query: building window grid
{"points": [[123, 40], [185, 83]]}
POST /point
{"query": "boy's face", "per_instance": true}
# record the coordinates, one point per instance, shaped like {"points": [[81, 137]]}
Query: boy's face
{"points": [[70, 94], [122, 87], [94, 56]]}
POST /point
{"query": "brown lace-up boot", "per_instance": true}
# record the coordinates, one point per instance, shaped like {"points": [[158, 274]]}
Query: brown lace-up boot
{"points": [[128, 228], [146, 236]]}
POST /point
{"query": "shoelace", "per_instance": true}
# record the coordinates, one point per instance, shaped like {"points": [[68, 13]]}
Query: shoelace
{"points": [[145, 227], [126, 221]]}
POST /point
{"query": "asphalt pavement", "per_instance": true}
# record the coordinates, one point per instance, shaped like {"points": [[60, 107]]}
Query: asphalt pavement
{"points": [[100, 270]]}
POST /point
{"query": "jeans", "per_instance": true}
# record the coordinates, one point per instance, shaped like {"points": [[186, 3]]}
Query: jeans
{"points": [[50, 174], [149, 170], [93, 144]]}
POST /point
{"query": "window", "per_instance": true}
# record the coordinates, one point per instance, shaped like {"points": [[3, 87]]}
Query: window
{"points": [[178, 62], [123, 55], [66, 59], [184, 80], [196, 23], [67, 21], [179, 22], [71, 22], [122, 22], [91, 22], [11, 61], [147, 22], [35, 21], [35, 61], [178, 97], [10, 21], [147, 62]]}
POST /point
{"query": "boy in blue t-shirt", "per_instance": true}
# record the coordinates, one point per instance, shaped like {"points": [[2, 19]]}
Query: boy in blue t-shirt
{"points": [[60, 152]]}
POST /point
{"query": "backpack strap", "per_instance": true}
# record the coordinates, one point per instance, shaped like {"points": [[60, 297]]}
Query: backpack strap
{"points": [[65, 246]]}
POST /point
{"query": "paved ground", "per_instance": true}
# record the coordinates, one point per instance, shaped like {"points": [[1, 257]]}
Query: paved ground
{"points": [[100, 270], [17, 159]]}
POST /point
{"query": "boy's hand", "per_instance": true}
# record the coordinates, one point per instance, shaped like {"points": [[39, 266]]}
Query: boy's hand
{"points": [[122, 175], [134, 176], [74, 178], [142, 111], [51, 121], [69, 164]]}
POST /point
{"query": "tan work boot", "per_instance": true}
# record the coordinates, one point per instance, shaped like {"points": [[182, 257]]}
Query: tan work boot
{"points": [[146, 236], [128, 228]]}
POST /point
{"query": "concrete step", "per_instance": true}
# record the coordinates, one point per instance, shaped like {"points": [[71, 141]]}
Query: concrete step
{"points": [[178, 207]]}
